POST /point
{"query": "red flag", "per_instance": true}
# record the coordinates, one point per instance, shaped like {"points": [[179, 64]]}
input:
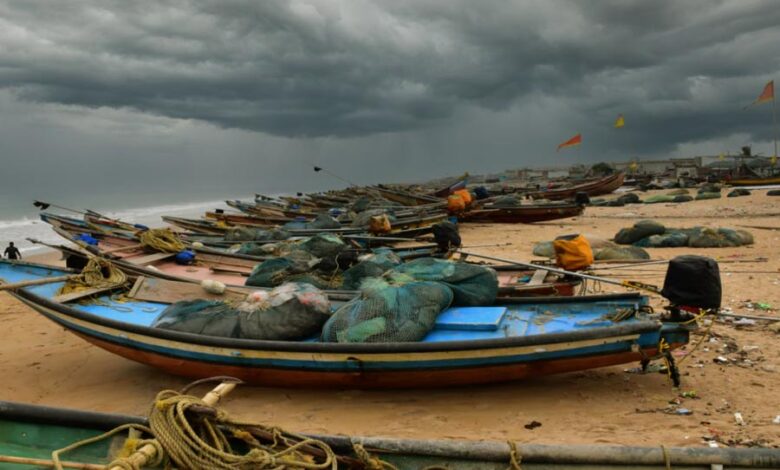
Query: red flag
{"points": [[767, 95], [576, 140]]}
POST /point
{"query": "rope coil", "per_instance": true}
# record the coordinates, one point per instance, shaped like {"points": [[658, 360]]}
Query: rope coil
{"points": [[96, 274], [161, 239]]}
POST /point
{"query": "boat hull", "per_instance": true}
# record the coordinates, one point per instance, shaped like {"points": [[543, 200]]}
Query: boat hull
{"points": [[522, 215], [384, 365], [596, 188]]}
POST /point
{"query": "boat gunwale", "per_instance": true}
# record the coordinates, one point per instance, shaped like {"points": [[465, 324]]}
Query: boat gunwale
{"points": [[635, 327], [470, 450]]}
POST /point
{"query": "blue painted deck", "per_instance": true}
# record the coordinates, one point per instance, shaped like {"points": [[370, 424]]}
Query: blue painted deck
{"points": [[454, 324]]}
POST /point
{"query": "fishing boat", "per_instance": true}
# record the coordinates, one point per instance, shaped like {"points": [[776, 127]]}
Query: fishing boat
{"points": [[32, 432], [757, 181], [599, 187], [521, 214], [234, 268], [511, 340]]}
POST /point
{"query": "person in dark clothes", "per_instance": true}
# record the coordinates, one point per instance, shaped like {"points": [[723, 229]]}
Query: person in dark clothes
{"points": [[12, 252]]}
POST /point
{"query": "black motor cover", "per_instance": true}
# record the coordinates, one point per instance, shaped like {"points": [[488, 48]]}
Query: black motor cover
{"points": [[446, 236], [693, 281]]}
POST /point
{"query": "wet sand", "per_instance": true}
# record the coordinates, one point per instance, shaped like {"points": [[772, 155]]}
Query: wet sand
{"points": [[41, 363]]}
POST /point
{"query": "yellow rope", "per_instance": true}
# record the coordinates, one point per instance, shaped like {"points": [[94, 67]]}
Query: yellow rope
{"points": [[161, 239], [55, 456], [97, 273], [370, 462], [514, 456], [202, 443]]}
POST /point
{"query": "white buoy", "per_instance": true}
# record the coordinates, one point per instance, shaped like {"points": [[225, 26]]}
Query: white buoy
{"points": [[213, 287]]}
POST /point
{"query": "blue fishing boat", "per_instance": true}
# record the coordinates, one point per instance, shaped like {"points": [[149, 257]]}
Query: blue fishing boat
{"points": [[516, 339]]}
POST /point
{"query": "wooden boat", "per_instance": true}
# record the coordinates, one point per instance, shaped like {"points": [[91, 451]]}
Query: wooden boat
{"points": [[593, 188], [753, 181], [234, 268], [407, 198], [522, 214], [32, 432], [516, 339]]}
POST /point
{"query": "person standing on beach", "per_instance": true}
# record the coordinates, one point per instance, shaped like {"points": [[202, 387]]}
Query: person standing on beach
{"points": [[12, 252]]}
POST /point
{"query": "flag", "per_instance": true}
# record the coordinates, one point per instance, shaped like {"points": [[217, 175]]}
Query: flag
{"points": [[317, 169], [576, 140], [620, 122], [722, 157], [767, 95]]}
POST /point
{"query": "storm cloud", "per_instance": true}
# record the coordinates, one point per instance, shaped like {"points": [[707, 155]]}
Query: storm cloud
{"points": [[355, 68], [150, 102]]}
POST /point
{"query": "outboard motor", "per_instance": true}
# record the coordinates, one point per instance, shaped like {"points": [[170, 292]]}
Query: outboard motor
{"points": [[446, 236], [581, 198], [692, 284]]}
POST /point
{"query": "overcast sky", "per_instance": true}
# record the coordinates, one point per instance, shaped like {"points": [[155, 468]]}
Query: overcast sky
{"points": [[204, 95]]}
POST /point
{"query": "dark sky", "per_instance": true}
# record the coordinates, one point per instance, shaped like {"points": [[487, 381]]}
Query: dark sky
{"points": [[246, 95]]}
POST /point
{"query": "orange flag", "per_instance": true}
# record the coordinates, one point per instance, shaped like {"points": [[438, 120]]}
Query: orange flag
{"points": [[576, 140], [767, 95]]}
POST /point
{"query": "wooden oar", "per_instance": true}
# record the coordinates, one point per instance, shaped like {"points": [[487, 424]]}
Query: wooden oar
{"points": [[148, 452], [36, 282], [606, 280]]}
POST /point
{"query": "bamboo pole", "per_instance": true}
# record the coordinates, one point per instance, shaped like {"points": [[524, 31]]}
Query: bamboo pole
{"points": [[147, 453], [49, 463], [36, 282], [606, 280]]}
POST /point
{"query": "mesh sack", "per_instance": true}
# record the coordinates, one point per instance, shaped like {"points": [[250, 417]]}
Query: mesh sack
{"points": [[322, 246], [640, 230], [470, 283], [372, 265], [203, 317], [276, 271], [324, 221], [388, 313], [292, 311]]}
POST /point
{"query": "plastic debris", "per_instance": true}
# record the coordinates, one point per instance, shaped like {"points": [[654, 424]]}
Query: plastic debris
{"points": [[738, 419]]}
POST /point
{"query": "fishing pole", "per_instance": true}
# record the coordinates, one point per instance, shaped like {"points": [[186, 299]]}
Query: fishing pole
{"points": [[45, 205], [606, 280]]}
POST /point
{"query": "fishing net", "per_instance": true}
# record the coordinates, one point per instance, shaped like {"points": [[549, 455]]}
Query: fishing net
{"points": [[289, 312], [670, 239], [507, 201], [703, 196], [658, 198], [247, 234], [276, 271], [471, 284], [738, 192], [620, 253], [292, 311], [388, 312], [203, 317], [640, 230], [702, 237], [683, 198], [322, 246], [324, 221], [371, 265]]}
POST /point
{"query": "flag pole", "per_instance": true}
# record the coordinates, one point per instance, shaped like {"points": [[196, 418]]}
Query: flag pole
{"points": [[774, 121]]}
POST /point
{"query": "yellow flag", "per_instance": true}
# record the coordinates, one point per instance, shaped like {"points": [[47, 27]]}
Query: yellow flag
{"points": [[620, 121], [773, 160], [721, 157]]}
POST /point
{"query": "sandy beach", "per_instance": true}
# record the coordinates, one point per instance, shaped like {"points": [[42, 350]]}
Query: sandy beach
{"points": [[41, 363]]}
